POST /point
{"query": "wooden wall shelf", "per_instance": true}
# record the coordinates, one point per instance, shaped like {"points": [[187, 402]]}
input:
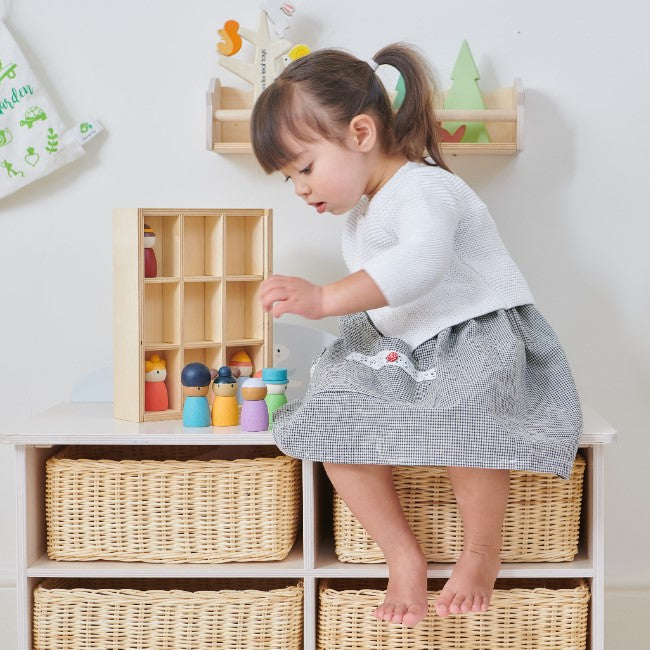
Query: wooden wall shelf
{"points": [[228, 112], [203, 306]]}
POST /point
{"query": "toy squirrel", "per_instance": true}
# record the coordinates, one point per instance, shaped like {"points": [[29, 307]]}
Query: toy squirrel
{"points": [[196, 384], [254, 413], [276, 383], [225, 409], [156, 397]]}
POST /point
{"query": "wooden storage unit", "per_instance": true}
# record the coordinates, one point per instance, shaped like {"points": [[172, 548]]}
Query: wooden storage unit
{"points": [[312, 559], [228, 112], [203, 305]]}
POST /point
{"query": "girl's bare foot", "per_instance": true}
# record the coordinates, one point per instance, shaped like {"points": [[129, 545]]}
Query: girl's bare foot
{"points": [[470, 586], [406, 596]]}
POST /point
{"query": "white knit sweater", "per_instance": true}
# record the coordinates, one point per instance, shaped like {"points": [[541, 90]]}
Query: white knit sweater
{"points": [[433, 249]]}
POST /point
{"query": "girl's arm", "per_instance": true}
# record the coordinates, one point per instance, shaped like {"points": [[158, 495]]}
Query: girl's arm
{"points": [[282, 294]]}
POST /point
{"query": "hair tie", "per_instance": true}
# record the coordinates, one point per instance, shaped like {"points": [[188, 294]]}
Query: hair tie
{"points": [[372, 63]]}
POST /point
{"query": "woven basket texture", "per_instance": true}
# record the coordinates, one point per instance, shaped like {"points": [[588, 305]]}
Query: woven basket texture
{"points": [[172, 615], [521, 616], [171, 504], [542, 522]]}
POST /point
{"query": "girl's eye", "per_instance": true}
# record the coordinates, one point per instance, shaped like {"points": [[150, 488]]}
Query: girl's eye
{"points": [[306, 170]]}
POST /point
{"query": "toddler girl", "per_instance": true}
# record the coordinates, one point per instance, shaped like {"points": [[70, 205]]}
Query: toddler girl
{"points": [[442, 359]]}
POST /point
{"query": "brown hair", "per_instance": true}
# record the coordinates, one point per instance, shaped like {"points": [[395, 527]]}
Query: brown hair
{"points": [[319, 94]]}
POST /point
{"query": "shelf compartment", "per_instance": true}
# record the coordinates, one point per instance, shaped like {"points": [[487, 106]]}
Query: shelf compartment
{"points": [[229, 110], [542, 521], [167, 247], [172, 505], [172, 358], [202, 313], [161, 314], [202, 245], [208, 356], [244, 316], [529, 614], [244, 250], [136, 613]]}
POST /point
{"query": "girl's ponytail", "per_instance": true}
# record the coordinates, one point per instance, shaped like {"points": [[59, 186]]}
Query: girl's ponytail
{"points": [[414, 126]]}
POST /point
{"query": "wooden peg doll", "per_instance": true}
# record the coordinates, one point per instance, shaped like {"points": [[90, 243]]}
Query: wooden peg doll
{"points": [[242, 361], [156, 397], [196, 384], [225, 409], [150, 263], [276, 383], [254, 412]]}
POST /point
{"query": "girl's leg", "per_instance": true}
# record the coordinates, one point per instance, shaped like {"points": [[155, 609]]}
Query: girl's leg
{"points": [[482, 496], [369, 492]]}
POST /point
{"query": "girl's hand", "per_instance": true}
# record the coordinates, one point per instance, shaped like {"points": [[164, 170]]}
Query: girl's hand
{"points": [[283, 294]]}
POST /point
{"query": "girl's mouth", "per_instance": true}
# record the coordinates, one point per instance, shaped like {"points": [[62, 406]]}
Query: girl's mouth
{"points": [[320, 206]]}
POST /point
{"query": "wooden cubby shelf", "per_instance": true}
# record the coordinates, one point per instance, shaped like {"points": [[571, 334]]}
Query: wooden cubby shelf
{"points": [[228, 112], [312, 558], [204, 304]]}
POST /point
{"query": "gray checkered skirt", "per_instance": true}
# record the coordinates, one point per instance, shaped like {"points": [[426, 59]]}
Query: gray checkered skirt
{"points": [[495, 391]]}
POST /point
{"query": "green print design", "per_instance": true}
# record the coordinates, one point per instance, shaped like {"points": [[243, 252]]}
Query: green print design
{"points": [[84, 127], [10, 170], [52, 141], [31, 115], [17, 95], [32, 157], [7, 72], [5, 137]]}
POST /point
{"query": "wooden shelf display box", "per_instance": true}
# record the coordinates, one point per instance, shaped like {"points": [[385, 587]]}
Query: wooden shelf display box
{"points": [[228, 113], [203, 306]]}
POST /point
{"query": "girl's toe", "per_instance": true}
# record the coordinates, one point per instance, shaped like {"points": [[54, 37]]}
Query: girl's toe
{"points": [[388, 612], [458, 600], [398, 613], [466, 605], [442, 604]]}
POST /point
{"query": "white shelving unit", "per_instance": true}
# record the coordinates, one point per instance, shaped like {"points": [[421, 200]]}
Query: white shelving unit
{"points": [[312, 557]]}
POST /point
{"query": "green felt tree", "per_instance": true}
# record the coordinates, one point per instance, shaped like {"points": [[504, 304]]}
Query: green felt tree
{"points": [[464, 94]]}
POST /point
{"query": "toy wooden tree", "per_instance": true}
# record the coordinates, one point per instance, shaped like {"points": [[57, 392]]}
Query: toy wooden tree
{"points": [[268, 49], [464, 94]]}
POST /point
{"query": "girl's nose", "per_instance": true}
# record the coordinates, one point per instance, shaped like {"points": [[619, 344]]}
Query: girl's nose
{"points": [[302, 189]]}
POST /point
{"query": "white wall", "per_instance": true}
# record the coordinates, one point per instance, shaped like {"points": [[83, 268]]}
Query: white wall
{"points": [[571, 207]]}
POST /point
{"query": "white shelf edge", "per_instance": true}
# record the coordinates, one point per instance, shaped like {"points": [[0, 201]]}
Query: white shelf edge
{"points": [[93, 423], [291, 567], [328, 566]]}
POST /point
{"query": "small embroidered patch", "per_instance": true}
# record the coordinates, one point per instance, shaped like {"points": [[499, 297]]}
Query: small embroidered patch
{"points": [[392, 356]]}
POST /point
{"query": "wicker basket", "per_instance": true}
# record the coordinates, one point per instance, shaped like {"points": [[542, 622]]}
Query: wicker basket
{"points": [[522, 616], [542, 522], [156, 504], [173, 615]]}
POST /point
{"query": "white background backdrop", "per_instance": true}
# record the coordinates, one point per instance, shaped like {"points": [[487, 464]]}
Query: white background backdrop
{"points": [[571, 207]]}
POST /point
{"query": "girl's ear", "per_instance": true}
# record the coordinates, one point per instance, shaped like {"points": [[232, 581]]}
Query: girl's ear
{"points": [[363, 132]]}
